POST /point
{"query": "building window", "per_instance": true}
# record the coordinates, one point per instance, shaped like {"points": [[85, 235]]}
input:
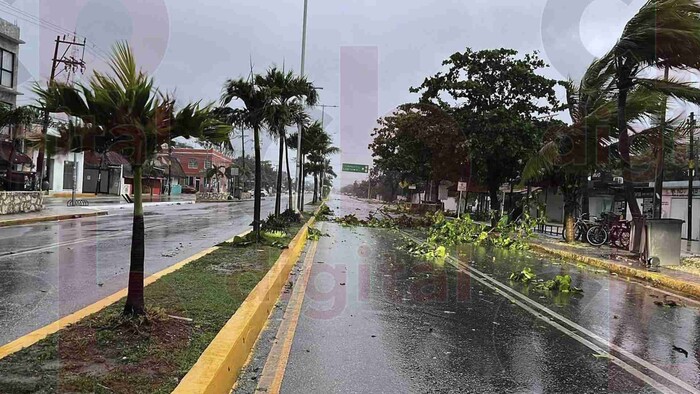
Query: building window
{"points": [[192, 164], [7, 66], [207, 164]]}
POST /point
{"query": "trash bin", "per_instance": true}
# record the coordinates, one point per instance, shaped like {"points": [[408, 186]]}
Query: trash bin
{"points": [[664, 237]]}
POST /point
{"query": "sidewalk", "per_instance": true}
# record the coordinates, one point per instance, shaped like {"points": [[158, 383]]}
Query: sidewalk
{"points": [[619, 262], [49, 214]]}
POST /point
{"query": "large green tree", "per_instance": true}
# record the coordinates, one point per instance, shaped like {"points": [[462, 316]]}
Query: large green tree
{"points": [[419, 143], [496, 97], [122, 112]]}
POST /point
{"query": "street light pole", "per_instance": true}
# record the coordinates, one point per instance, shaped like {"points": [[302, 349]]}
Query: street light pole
{"points": [[300, 175], [691, 175]]}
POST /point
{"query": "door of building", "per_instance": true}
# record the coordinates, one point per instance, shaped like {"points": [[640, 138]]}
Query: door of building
{"points": [[68, 167]]}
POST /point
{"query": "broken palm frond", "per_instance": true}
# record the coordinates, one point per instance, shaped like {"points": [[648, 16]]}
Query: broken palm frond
{"points": [[316, 234], [560, 283]]}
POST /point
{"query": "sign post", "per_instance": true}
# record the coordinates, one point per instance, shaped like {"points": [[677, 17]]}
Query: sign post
{"points": [[461, 187], [360, 169]]}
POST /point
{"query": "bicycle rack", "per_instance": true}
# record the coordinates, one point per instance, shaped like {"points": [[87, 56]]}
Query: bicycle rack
{"points": [[78, 203]]}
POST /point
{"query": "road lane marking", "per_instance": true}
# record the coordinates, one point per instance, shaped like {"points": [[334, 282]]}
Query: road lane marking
{"points": [[270, 380], [509, 294]]}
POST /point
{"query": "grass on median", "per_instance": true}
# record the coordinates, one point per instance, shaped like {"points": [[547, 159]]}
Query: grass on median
{"points": [[106, 353]]}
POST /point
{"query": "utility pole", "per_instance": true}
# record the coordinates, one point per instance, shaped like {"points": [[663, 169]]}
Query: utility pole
{"points": [[300, 171], [691, 175], [659, 179], [242, 161], [170, 165], [71, 64]]}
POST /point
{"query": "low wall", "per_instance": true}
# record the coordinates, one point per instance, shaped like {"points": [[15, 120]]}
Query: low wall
{"points": [[18, 202], [211, 196]]}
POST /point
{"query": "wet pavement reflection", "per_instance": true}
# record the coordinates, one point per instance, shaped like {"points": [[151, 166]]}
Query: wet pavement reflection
{"points": [[376, 319]]}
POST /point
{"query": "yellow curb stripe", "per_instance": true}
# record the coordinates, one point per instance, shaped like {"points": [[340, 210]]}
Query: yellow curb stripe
{"points": [[218, 367], [41, 333], [656, 279], [276, 364]]}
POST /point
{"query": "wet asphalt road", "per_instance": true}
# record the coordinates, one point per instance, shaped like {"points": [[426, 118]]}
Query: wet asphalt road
{"points": [[378, 320], [49, 270]]}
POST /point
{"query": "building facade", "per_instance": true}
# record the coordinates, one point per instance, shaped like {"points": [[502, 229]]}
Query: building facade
{"points": [[9, 64], [196, 163]]}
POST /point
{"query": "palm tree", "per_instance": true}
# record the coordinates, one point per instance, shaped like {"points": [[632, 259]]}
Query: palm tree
{"points": [[663, 34], [217, 173], [123, 113], [287, 92], [570, 152], [256, 98]]}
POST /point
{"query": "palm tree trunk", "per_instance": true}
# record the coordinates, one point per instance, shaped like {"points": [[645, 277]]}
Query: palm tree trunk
{"points": [[134, 299], [278, 196], [315, 189], [302, 186], [258, 185], [289, 177], [624, 143]]}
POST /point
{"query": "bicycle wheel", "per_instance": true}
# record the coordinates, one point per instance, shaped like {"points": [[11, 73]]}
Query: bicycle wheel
{"points": [[597, 235], [623, 239], [580, 234]]}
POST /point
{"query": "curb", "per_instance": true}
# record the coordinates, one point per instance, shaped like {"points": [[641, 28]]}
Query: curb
{"points": [[218, 367], [41, 333], [656, 279], [53, 218]]}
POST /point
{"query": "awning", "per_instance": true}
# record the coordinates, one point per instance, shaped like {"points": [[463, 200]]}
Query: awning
{"points": [[93, 158], [7, 150]]}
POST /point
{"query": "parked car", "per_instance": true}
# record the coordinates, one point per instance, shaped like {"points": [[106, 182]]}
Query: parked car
{"points": [[188, 190]]}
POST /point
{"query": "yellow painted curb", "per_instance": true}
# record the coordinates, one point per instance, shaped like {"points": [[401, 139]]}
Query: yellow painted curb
{"points": [[655, 278], [41, 333], [218, 367]]}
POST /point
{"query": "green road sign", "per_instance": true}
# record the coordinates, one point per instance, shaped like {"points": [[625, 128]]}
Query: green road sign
{"points": [[362, 168]]}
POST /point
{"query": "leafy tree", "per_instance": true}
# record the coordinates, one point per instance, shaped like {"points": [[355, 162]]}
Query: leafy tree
{"points": [[419, 143], [123, 113], [495, 97]]}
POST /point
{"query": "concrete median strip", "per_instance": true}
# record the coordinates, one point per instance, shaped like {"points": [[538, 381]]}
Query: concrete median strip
{"points": [[656, 279], [218, 367], [43, 332]]}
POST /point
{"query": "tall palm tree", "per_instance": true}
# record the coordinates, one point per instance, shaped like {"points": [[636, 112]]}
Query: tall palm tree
{"points": [[570, 152], [123, 113], [663, 34], [256, 99], [288, 91]]}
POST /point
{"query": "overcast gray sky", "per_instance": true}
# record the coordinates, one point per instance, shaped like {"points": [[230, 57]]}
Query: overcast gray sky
{"points": [[365, 54]]}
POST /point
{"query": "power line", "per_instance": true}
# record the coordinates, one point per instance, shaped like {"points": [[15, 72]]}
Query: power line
{"points": [[43, 23]]}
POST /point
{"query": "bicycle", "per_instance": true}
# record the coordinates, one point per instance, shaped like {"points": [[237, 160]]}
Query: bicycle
{"points": [[611, 229], [580, 228]]}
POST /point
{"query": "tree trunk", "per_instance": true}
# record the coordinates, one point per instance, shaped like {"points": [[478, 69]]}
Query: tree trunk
{"points": [[134, 299], [315, 199], [289, 178], [624, 146], [258, 184], [569, 212], [278, 196], [494, 204], [302, 186]]}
